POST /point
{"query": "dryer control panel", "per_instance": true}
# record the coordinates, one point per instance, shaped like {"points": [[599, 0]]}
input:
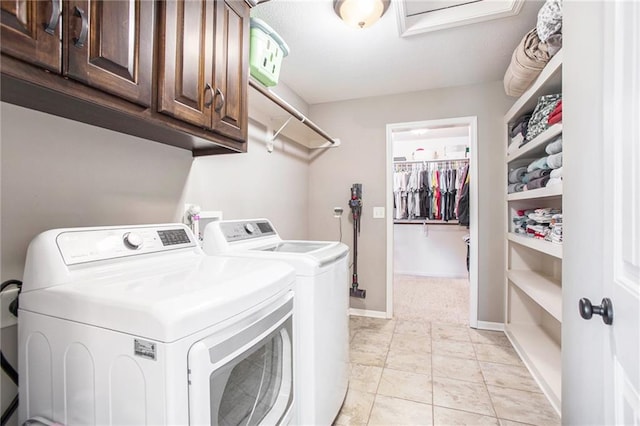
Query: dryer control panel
{"points": [[92, 244], [246, 230]]}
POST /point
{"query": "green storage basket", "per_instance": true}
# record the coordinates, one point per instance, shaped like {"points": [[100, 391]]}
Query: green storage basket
{"points": [[266, 53]]}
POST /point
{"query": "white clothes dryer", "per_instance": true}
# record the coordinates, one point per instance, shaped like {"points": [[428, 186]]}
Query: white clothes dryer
{"points": [[135, 325], [321, 319]]}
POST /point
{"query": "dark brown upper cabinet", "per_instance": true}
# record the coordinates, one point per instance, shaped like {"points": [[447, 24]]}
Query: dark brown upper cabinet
{"points": [[232, 63], [109, 45], [203, 64], [30, 31]]}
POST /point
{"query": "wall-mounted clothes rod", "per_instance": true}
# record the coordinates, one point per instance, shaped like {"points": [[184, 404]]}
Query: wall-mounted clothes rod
{"points": [[294, 113], [443, 160]]}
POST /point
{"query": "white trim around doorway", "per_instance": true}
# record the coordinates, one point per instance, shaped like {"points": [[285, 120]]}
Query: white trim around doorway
{"points": [[472, 122]]}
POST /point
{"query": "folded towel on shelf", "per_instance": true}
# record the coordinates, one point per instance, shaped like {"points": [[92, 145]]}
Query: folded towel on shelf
{"points": [[517, 140], [515, 187], [515, 175], [537, 183], [527, 61], [555, 160], [540, 163], [540, 119], [555, 146], [549, 19], [520, 125], [556, 173], [555, 119], [536, 174], [544, 215]]}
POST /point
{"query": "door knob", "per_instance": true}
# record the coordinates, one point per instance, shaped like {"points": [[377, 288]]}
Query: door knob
{"points": [[605, 310]]}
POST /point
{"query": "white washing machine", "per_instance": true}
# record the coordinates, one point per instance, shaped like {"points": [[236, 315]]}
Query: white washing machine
{"points": [[321, 320], [136, 326]]}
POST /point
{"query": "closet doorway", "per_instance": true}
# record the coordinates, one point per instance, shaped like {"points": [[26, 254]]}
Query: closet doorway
{"points": [[427, 167]]}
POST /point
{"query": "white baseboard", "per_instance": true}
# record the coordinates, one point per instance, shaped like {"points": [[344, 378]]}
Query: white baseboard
{"points": [[431, 274], [493, 326], [368, 313]]}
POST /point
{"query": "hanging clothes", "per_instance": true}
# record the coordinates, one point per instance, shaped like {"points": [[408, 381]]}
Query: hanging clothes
{"points": [[428, 190]]}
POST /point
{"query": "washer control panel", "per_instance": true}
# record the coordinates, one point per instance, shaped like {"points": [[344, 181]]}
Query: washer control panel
{"points": [[89, 245], [246, 230]]}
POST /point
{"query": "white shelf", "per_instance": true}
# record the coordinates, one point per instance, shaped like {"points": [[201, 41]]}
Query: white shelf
{"points": [[542, 355], [535, 148], [546, 192], [548, 82], [545, 291], [552, 249]]}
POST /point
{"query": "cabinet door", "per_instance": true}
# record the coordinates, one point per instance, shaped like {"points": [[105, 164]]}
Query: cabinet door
{"points": [[231, 68], [30, 31], [109, 46], [185, 62]]}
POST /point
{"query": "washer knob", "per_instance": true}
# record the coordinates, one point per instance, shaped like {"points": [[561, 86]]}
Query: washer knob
{"points": [[133, 240], [249, 228]]}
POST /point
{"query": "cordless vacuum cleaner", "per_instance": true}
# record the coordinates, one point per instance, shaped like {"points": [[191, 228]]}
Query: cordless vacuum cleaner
{"points": [[355, 203]]}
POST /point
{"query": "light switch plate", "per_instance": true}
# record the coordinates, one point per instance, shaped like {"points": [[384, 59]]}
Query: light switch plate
{"points": [[378, 212]]}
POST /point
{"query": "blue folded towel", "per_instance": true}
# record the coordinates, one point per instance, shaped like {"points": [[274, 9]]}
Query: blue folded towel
{"points": [[540, 163]]}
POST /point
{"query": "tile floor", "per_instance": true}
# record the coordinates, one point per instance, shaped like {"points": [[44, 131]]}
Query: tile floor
{"points": [[421, 372]]}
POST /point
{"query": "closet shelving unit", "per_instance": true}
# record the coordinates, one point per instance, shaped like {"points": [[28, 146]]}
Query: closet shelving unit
{"points": [[533, 285], [423, 221], [284, 119]]}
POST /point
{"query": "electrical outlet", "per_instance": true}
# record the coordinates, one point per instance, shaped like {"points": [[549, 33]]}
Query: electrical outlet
{"points": [[6, 297], [337, 211]]}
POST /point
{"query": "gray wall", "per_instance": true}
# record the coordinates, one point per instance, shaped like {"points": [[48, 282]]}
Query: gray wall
{"points": [[60, 173], [361, 127]]}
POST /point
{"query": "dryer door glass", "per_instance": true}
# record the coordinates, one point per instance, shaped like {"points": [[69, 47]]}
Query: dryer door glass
{"points": [[244, 376], [252, 386]]}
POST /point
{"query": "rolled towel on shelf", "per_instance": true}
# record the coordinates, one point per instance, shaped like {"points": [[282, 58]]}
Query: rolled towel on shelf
{"points": [[536, 174], [537, 183], [555, 160], [515, 187], [540, 163], [556, 173], [515, 176], [555, 146], [554, 181]]}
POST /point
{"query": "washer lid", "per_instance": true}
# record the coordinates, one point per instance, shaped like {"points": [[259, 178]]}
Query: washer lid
{"points": [[164, 299]]}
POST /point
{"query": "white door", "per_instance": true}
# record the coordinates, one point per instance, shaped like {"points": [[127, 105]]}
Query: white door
{"points": [[601, 363]]}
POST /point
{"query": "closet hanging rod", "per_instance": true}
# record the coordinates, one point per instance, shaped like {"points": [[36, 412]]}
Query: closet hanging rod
{"points": [[451, 160], [291, 110]]}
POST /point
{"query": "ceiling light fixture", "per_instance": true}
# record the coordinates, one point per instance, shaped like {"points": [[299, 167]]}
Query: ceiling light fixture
{"points": [[360, 13]]}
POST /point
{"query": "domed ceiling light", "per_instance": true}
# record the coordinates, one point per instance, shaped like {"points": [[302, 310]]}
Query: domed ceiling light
{"points": [[360, 13]]}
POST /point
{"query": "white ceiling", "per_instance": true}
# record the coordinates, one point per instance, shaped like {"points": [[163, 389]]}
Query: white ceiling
{"points": [[330, 61]]}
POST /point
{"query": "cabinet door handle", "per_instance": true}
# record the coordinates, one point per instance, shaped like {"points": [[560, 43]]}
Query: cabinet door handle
{"points": [[50, 28], [222, 100], [82, 38], [209, 89]]}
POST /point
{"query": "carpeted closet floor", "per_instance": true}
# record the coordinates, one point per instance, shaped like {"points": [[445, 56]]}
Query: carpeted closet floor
{"points": [[431, 299]]}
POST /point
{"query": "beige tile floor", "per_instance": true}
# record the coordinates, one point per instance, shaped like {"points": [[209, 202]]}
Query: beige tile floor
{"points": [[419, 371]]}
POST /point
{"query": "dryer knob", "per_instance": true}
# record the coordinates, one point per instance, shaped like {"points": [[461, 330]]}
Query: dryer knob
{"points": [[133, 240], [249, 228]]}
